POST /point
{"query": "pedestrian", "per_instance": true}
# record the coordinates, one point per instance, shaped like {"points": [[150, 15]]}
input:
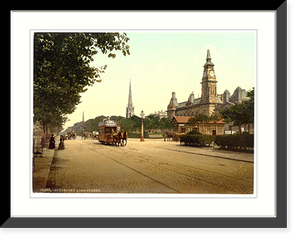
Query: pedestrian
{"points": [[43, 141], [61, 143], [52, 142]]}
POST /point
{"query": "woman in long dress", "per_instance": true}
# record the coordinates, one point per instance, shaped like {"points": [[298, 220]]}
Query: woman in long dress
{"points": [[52, 142], [61, 143]]}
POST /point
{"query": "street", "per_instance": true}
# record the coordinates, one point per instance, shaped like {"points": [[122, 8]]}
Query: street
{"points": [[153, 166]]}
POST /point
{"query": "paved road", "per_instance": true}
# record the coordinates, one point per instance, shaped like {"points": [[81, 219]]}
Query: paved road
{"points": [[153, 166]]}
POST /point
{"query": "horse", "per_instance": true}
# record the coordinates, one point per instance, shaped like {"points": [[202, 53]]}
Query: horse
{"points": [[124, 138], [176, 137], [117, 138], [169, 135], [173, 136]]}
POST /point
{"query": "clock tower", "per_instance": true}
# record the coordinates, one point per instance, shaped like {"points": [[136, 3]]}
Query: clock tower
{"points": [[209, 96]]}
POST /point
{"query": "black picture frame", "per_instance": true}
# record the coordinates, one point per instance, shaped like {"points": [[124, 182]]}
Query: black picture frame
{"points": [[281, 219]]}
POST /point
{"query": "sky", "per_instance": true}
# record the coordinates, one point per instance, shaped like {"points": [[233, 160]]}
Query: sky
{"points": [[164, 62]]}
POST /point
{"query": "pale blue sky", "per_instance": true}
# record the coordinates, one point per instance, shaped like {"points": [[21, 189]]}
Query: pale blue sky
{"points": [[162, 62]]}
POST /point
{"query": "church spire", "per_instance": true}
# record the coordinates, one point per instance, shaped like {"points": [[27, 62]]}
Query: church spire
{"points": [[129, 108], [129, 96]]}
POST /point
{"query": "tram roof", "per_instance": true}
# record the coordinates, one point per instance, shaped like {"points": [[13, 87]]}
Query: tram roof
{"points": [[107, 123]]}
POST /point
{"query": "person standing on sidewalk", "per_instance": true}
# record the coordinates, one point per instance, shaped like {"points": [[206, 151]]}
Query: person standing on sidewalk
{"points": [[61, 143], [52, 142]]}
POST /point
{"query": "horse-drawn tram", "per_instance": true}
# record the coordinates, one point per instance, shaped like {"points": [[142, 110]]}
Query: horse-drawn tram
{"points": [[110, 133]]}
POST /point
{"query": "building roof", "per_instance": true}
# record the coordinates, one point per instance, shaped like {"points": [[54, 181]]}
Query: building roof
{"points": [[182, 119], [208, 54], [208, 59], [185, 119], [107, 123], [218, 122], [182, 104], [208, 63], [197, 101]]}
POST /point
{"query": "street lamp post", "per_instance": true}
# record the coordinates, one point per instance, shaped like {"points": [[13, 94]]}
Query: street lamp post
{"points": [[142, 129]]}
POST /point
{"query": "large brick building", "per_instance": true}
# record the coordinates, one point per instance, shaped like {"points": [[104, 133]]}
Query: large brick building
{"points": [[210, 101]]}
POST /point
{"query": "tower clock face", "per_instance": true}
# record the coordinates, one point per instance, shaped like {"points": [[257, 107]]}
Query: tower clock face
{"points": [[204, 74], [211, 73]]}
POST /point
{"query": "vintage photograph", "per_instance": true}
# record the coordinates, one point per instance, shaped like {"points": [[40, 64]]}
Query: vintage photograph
{"points": [[153, 112]]}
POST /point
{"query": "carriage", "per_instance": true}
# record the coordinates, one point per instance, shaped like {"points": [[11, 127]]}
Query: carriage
{"points": [[110, 133]]}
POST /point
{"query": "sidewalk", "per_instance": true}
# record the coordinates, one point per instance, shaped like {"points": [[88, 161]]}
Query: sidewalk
{"points": [[42, 169]]}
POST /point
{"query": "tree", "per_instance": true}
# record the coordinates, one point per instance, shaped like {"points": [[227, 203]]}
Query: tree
{"points": [[202, 118], [126, 125], [250, 107], [166, 123], [136, 123], [242, 113], [62, 71], [151, 122], [236, 114]]}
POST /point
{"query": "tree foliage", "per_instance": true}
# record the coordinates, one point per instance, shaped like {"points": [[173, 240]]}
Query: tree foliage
{"points": [[196, 139], [131, 125], [242, 113], [62, 71], [238, 142], [202, 118]]}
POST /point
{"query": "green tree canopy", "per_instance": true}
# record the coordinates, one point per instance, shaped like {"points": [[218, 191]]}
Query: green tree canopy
{"points": [[166, 123], [202, 118], [151, 122], [62, 71], [242, 113]]}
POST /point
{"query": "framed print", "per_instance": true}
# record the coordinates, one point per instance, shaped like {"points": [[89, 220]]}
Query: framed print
{"points": [[166, 132]]}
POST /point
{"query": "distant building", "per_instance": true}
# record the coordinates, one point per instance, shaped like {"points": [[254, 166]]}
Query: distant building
{"points": [[226, 100], [161, 114], [210, 101], [129, 108]]}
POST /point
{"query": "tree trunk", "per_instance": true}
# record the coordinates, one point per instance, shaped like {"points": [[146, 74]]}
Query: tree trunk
{"points": [[44, 128], [240, 129], [47, 128]]}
